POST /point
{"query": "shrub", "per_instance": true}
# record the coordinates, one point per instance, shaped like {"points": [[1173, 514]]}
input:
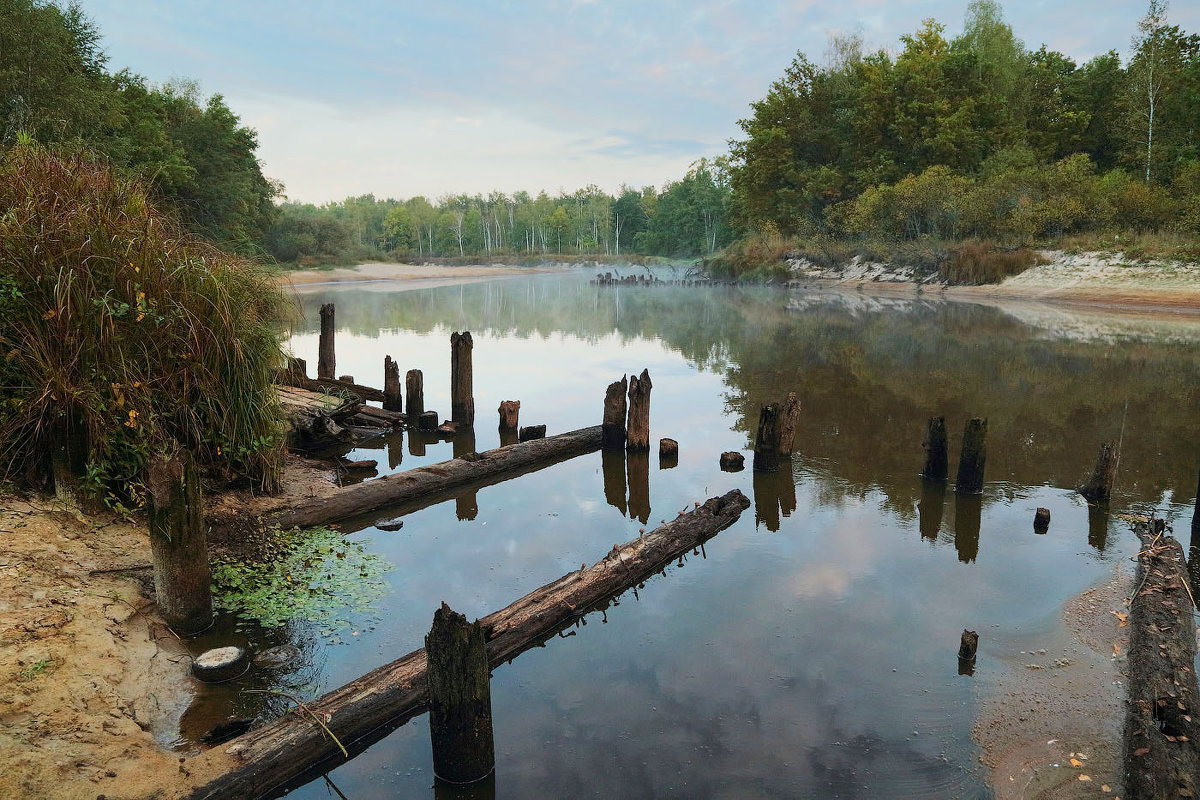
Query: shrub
{"points": [[977, 263], [122, 335]]}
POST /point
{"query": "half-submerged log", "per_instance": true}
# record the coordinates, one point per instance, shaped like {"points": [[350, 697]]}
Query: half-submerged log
{"points": [[460, 699], [1098, 489], [438, 481], [182, 580], [391, 385], [937, 461], [637, 430], [414, 386], [614, 413], [462, 393], [767, 457], [789, 424], [1162, 721], [283, 754], [973, 458], [326, 356]]}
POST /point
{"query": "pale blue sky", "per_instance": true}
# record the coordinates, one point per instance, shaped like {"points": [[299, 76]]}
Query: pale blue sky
{"points": [[406, 98]]}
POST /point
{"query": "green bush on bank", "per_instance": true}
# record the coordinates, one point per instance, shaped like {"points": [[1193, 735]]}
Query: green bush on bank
{"points": [[126, 334]]}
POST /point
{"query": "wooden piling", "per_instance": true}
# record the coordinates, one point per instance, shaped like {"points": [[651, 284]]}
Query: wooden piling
{"points": [[510, 411], [462, 393], [392, 401], [1041, 520], [668, 453], [637, 429], [968, 645], [973, 457], [614, 413], [937, 462], [428, 421], [766, 442], [460, 699], [789, 424], [1098, 489], [326, 358], [178, 550], [414, 386], [531, 432]]}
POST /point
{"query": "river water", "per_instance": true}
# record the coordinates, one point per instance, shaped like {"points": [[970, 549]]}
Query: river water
{"points": [[810, 649]]}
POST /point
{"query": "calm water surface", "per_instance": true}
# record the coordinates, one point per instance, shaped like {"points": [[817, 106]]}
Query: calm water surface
{"points": [[809, 650]]}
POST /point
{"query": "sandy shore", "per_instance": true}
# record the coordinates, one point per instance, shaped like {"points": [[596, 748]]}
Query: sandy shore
{"points": [[408, 276]]}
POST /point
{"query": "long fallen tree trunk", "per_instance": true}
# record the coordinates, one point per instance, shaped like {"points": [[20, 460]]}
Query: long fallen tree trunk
{"points": [[1162, 721], [437, 482], [320, 384], [273, 759]]}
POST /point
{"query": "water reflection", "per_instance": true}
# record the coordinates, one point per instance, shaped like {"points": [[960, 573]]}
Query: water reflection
{"points": [[613, 467], [637, 467], [774, 494], [1098, 525], [931, 508], [968, 513]]}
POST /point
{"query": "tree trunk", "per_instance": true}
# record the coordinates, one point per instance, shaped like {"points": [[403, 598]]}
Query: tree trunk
{"points": [[460, 699], [614, 413], [326, 358], [973, 458], [392, 400], [1098, 489], [415, 392], [462, 396], [937, 462], [182, 580], [766, 442], [790, 424], [638, 427]]}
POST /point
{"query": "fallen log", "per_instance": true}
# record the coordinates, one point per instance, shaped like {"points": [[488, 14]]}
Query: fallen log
{"points": [[437, 481], [319, 384], [286, 753]]}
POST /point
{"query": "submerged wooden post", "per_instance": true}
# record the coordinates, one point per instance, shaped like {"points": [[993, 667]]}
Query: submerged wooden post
{"points": [[614, 414], [460, 699], [326, 358], [1099, 487], [178, 549], [392, 400], [937, 462], [766, 441], [510, 412], [414, 385], [637, 429], [462, 393], [973, 457], [789, 424]]}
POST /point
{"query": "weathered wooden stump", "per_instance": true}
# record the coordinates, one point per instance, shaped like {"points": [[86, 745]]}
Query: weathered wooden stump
{"points": [[1098, 489], [612, 464], [931, 508], [614, 414], [531, 432], [414, 387], [297, 369], [1041, 520], [447, 429], [460, 699], [668, 453], [937, 462], [732, 461], [428, 421], [637, 429], [220, 664], [968, 645], [973, 457], [392, 401], [182, 580], [462, 392], [509, 411], [789, 424], [766, 441], [346, 378], [637, 466], [326, 356]]}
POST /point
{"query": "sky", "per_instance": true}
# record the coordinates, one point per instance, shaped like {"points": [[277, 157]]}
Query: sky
{"points": [[443, 97]]}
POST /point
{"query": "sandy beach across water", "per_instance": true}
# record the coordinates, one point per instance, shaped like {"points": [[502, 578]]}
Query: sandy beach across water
{"points": [[410, 276]]}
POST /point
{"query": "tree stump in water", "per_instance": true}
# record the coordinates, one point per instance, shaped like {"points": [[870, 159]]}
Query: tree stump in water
{"points": [[766, 442], [968, 645], [973, 458], [937, 462], [789, 424], [460, 699], [414, 386], [428, 421], [732, 461], [326, 357], [1041, 520], [668, 453], [532, 432], [614, 414], [1099, 488], [462, 392], [182, 580], [510, 411], [391, 385], [637, 429]]}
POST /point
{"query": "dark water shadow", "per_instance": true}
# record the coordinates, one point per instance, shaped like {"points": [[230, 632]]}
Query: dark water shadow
{"points": [[480, 790], [1098, 526], [931, 508], [968, 512]]}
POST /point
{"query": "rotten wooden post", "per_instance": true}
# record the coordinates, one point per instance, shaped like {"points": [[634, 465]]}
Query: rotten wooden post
{"points": [[414, 386], [1041, 520], [973, 457], [637, 429], [462, 393], [668, 453], [766, 441], [178, 550], [614, 414], [789, 424], [510, 412], [460, 699], [1098, 489], [937, 462], [326, 358], [392, 400]]}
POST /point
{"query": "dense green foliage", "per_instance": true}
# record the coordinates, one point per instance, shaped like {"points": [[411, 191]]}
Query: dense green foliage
{"points": [[122, 336], [192, 153], [977, 136]]}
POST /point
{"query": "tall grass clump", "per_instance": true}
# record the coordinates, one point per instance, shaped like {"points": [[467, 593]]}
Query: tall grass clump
{"points": [[977, 263], [122, 336]]}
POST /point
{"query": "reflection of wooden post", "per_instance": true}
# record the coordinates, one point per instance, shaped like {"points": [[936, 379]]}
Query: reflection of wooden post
{"points": [[973, 458], [638, 427], [766, 441], [789, 424], [462, 397], [637, 465], [968, 510], [391, 385], [460, 699], [931, 508], [613, 429], [326, 359], [177, 544], [510, 411], [1099, 488], [414, 385], [612, 463], [937, 462]]}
